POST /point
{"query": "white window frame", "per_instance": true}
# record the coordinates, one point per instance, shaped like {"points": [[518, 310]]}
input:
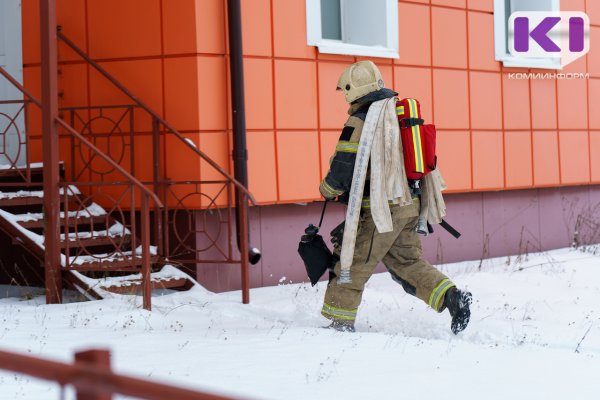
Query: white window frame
{"points": [[315, 37], [500, 42]]}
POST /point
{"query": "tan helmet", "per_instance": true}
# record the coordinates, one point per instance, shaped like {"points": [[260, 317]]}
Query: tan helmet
{"points": [[359, 79]]}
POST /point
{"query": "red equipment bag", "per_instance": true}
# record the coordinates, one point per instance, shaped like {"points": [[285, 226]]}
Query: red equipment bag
{"points": [[418, 139]]}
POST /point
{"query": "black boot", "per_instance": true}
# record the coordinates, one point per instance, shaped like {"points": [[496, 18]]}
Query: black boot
{"points": [[458, 303], [342, 326]]}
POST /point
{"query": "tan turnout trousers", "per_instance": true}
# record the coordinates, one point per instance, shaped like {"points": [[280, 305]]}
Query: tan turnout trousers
{"points": [[400, 251]]}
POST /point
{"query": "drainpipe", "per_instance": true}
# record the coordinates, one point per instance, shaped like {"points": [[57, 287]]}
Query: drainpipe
{"points": [[240, 152]]}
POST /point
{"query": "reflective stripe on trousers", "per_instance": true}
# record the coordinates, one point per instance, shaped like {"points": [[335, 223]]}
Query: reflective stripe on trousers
{"points": [[338, 313], [438, 293]]}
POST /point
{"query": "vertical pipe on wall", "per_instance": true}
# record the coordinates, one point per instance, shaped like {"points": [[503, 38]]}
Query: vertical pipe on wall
{"points": [[48, 39], [240, 152]]}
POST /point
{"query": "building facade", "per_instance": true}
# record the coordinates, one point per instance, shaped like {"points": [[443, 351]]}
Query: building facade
{"points": [[521, 155]]}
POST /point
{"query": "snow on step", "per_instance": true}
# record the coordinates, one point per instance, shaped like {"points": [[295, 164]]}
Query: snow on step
{"points": [[93, 210], [107, 257], [102, 286], [168, 273], [32, 166], [116, 230], [71, 190]]}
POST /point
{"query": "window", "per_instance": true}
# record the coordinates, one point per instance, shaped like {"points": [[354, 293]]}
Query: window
{"points": [[353, 27], [502, 11]]}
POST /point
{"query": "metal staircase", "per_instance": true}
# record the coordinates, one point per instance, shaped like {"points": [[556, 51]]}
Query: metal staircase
{"points": [[91, 239], [101, 216]]}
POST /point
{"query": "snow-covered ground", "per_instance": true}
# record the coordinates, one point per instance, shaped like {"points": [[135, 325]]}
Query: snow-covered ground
{"points": [[534, 334]]}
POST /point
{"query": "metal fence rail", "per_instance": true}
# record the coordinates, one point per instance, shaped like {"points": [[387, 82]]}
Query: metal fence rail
{"points": [[93, 379]]}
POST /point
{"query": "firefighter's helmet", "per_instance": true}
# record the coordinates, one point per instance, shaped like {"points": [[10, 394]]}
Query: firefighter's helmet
{"points": [[360, 79]]}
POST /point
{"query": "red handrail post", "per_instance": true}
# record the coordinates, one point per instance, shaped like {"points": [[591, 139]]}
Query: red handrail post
{"points": [[158, 184], [146, 284], [49, 68], [243, 231], [93, 358]]}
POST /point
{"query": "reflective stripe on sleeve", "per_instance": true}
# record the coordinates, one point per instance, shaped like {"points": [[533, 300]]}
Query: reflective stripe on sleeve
{"points": [[327, 189], [347, 147]]}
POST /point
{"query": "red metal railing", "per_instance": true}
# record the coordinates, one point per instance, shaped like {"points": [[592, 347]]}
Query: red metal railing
{"points": [[11, 124], [92, 378], [180, 231], [184, 234], [133, 186]]}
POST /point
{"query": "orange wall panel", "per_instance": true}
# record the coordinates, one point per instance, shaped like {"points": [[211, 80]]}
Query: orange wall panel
{"points": [[481, 5], [179, 26], [481, 38], [415, 83], [518, 158], [573, 5], [454, 158], [213, 92], [143, 165], [516, 103], [486, 103], [30, 14], [181, 92], [143, 77], [545, 158], [414, 31], [594, 102], [72, 84], [124, 28], [181, 163], [574, 157], [215, 145], [262, 166], [449, 30], [256, 27], [210, 26], [488, 166], [289, 29], [332, 106], [328, 140], [543, 104], [450, 99], [572, 104], [296, 94], [298, 165], [593, 11], [595, 155], [451, 3], [32, 81], [594, 56], [258, 81], [70, 15]]}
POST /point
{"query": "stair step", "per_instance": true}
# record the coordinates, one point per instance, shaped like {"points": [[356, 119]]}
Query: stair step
{"points": [[122, 264], [12, 177], [168, 277], [135, 285], [94, 241], [96, 220], [23, 198]]}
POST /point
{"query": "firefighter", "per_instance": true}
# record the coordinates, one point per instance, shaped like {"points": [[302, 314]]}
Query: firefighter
{"points": [[399, 250]]}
